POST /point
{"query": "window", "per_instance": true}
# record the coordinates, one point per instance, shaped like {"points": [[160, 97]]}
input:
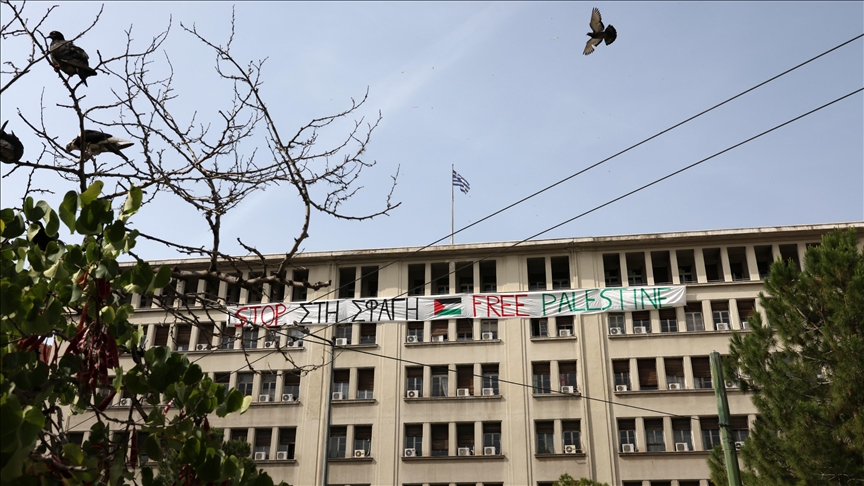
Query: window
{"points": [[415, 380], [183, 336], [145, 301], [693, 316], [190, 291], [738, 263], [465, 378], [250, 338], [790, 252], [720, 313], [545, 437], [239, 434], [162, 335], [713, 266], [340, 382], [291, 383], [287, 438], [277, 290], [440, 278], [674, 373], [701, 372], [414, 438], [572, 432], [298, 294], [440, 439], [745, 311], [464, 330], [206, 333], [227, 337], [560, 272], [489, 327], [223, 379], [369, 282], [363, 439], [347, 282], [343, 331], [654, 435], [647, 373], [536, 273], [254, 295], [635, 268], [168, 296], [439, 381], [232, 294], [539, 327], [616, 323], [668, 320], [368, 331], [416, 329], [465, 277], [627, 433], [338, 442], [244, 383], [660, 266], [268, 385], [642, 320], [488, 277], [710, 432], [567, 374], [492, 435], [686, 263], [612, 269], [465, 436], [417, 279], [262, 441], [77, 437], [621, 373], [366, 383], [681, 433], [764, 258], [440, 330], [541, 378], [490, 377], [564, 324], [740, 428]]}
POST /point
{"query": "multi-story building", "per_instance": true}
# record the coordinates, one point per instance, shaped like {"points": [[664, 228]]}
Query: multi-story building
{"points": [[620, 397]]}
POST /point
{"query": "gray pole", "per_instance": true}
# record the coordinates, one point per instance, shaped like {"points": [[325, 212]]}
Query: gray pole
{"points": [[729, 455], [329, 397], [452, 200]]}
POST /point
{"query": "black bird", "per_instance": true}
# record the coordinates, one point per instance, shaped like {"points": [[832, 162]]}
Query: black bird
{"points": [[11, 149], [69, 58], [98, 142], [598, 34]]}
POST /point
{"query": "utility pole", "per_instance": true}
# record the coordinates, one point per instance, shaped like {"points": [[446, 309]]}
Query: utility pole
{"points": [[729, 455]]}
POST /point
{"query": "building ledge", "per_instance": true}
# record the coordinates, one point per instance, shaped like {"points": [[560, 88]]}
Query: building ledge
{"points": [[685, 391], [274, 462], [547, 396], [664, 453], [350, 459], [445, 343], [354, 401], [497, 457], [674, 334], [552, 338], [274, 403], [559, 456], [439, 399], [358, 346]]}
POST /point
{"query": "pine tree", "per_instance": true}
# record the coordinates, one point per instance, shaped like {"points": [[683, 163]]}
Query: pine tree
{"points": [[805, 369]]}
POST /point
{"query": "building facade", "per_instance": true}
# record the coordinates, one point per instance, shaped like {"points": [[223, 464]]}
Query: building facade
{"points": [[623, 398]]}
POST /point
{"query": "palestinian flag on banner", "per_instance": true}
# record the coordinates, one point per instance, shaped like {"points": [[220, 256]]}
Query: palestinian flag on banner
{"points": [[448, 307]]}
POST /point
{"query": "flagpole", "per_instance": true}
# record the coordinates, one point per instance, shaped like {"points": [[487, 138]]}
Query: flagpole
{"points": [[452, 200]]}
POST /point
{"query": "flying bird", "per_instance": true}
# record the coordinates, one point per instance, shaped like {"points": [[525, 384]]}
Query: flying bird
{"points": [[598, 33], [11, 149], [69, 58], [98, 142]]}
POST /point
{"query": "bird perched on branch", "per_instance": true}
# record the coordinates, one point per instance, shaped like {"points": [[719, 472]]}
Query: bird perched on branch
{"points": [[11, 149], [598, 33], [98, 142], [69, 58]]}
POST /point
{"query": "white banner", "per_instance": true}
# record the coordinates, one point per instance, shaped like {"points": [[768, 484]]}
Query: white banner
{"points": [[516, 305]]}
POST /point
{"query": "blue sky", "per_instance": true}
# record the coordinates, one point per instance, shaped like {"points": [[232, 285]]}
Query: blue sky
{"points": [[503, 91]]}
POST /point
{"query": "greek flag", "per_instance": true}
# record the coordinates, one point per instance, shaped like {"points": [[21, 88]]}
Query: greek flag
{"points": [[461, 183]]}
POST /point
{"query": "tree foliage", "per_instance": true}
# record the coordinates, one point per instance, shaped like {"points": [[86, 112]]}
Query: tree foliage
{"points": [[568, 480], [805, 369]]}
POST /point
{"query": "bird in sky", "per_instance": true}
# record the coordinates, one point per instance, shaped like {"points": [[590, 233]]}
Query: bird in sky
{"points": [[11, 149], [99, 142], [598, 33], [69, 58]]}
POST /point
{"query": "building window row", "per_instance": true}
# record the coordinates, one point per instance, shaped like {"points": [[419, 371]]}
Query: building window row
{"points": [[458, 330], [665, 373], [725, 315], [442, 278], [558, 437], [452, 439], [359, 437], [563, 373], [466, 380], [267, 444], [560, 326], [667, 434], [216, 336], [263, 387], [353, 383]]}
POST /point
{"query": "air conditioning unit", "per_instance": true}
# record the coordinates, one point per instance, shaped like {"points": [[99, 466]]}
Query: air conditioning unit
{"points": [[413, 394], [674, 386], [410, 452], [570, 449], [202, 347], [295, 344], [489, 451], [738, 445], [615, 331], [464, 451], [640, 330], [488, 392], [263, 398], [567, 389], [621, 388], [260, 456], [682, 447], [487, 336], [440, 338], [463, 392], [412, 339], [722, 326], [124, 402], [628, 448], [287, 397], [338, 396], [341, 341], [359, 453], [564, 333], [282, 456], [744, 325], [731, 384], [269, 344]]}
